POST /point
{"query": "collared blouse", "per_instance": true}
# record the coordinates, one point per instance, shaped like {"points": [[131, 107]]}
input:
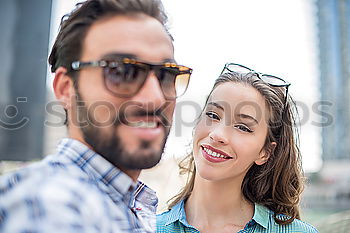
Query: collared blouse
{"points": [[175, 220]]}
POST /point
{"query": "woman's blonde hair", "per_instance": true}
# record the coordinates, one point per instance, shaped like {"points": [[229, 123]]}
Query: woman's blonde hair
{"points": [[279, 182]]}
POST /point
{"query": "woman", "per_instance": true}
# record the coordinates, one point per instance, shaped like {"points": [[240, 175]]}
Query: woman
{"points": [[245, 170]]}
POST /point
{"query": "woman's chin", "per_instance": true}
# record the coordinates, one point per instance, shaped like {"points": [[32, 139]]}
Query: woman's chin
{"points": [[209, 175]]}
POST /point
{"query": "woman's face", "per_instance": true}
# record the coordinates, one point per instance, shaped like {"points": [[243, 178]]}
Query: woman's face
{"points": [[231, 133]]}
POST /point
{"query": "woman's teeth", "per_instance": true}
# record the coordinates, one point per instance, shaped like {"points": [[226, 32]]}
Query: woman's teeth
{"points": [[144, 124], [214, 154]]}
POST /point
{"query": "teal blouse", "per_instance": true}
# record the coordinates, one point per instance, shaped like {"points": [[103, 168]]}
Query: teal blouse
{"points": [[174, 220]]}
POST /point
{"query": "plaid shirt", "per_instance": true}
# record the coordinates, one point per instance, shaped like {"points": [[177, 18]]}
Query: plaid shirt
{"points": [[75, 190], [175, 220]]}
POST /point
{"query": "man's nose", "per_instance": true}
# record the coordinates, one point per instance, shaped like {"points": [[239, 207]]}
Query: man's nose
{"points": [[151, 96]]}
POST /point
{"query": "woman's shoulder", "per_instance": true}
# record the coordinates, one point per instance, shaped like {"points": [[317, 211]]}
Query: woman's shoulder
{"points": [[296, 226], [302, 226], [266, 218]]}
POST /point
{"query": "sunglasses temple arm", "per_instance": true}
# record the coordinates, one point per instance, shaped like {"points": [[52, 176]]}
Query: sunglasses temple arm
{"points": [[223, 70], [286, 98]]}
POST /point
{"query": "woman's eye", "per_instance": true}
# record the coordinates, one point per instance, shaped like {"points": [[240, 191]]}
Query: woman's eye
{"points": [[244, 128], [212, 115]]}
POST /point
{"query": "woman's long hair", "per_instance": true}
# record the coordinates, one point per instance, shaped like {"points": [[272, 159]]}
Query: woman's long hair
{"points": [[278, 183]]}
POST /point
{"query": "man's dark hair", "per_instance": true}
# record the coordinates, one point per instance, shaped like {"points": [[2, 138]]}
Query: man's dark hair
{"points": [[74, 26]]}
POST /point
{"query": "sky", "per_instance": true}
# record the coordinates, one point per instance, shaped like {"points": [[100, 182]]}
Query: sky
{"points": [[276, 37]]}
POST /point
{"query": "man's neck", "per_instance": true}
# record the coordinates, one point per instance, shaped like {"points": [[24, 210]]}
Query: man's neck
{"points": [[133, 174]]}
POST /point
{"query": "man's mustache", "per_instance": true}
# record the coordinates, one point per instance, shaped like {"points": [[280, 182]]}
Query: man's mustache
{"points": [[124, 118]]}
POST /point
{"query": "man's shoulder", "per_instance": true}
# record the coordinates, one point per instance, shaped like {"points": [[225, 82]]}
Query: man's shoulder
{"points": [[45, 190], [49, 176]]}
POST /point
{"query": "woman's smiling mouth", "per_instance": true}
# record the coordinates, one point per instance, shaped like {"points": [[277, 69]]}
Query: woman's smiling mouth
{"points": [[214, 155]]}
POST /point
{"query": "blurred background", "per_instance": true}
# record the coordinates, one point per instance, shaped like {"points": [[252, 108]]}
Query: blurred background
{"points": [[306, 42]]}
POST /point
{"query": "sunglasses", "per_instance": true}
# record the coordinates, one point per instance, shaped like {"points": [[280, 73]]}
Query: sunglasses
{"points": [[267, 78], [124, 77]]}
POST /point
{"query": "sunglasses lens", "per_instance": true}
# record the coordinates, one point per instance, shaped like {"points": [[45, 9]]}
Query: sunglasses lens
{"points": [[166, 77], [181, 83], [125, 79], [174, 81]]}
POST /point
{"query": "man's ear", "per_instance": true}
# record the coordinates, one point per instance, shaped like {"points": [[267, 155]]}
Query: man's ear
{"points": [[63, 87], [265, 154]]}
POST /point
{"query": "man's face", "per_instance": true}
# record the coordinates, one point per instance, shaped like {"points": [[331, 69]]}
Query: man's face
{"points": [[128, 132]]}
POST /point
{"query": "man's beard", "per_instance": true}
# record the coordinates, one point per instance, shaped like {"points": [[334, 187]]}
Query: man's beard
{"points": [[109, 144]]}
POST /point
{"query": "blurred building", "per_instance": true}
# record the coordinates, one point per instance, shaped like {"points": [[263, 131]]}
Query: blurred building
{"points": [[334, 66], [24, 38], [330, 188]]}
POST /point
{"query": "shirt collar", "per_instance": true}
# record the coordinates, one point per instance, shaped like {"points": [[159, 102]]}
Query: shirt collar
{"points": [[261, 215], [177, 212], [145, 195], [98, 168]]}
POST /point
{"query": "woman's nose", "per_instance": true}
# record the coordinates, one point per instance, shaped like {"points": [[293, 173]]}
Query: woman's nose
{"points": [[218, 136]]}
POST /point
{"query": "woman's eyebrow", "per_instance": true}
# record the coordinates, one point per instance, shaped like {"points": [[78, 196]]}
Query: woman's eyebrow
{"points": [[240, 115], [216, 105], [246, 116]]}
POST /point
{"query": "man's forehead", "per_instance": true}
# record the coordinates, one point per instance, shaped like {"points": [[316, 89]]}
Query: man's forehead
{"points": [[118, 56], [142, 37]]}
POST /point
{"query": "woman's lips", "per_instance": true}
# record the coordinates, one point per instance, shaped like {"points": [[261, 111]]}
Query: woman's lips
{"points": [[214, 155]]}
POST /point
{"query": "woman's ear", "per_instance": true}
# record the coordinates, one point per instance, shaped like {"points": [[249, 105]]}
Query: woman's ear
{"points": [[63, 87], [265, 154]]}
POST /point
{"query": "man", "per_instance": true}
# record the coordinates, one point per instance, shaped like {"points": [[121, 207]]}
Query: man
{"points": [[116, 77]]}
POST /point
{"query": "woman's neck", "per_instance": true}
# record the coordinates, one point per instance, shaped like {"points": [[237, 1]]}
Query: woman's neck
{"points": [[218, 204]]}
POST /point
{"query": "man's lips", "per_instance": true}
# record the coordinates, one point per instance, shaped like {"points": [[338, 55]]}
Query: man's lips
{"points": [[215, 152], [149, 122], [143, 129]]}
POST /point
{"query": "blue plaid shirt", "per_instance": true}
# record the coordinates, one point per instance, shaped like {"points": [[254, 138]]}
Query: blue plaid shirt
{"points": [[75, 190], [175, 220]]}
